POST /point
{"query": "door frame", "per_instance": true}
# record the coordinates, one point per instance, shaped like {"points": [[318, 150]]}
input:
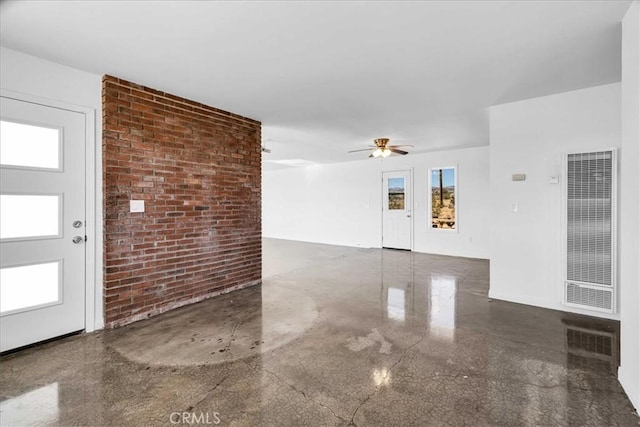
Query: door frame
{"points": [[93, 207], [412, 205]]}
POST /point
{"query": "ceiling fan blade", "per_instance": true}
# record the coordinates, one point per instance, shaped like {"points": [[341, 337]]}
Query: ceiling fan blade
{"points": [[363, 149], [371, 155], [393, 150], [398, 146]]}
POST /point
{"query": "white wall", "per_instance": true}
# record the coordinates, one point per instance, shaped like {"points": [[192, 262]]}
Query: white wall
{"points": [[629, 373], [531, 137], [46, 80], [341, 203]]}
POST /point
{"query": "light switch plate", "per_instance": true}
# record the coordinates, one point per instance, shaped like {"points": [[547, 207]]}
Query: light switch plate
{"points": [[518, 177], [136, 206]]}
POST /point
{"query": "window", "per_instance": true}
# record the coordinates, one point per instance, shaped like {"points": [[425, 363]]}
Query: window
{"points": [[396, 194], [28, 286], [29, 146], [443, 186], [24, 216]]}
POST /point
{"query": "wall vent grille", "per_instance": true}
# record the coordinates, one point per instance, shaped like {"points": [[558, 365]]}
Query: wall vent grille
{"points": [[588, 296], [590, 229]]}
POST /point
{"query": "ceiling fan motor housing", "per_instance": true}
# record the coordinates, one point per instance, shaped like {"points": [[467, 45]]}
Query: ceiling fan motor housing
{"points": [[381, 142]]}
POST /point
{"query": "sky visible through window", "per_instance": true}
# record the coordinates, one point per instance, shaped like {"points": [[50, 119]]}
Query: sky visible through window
{"points": [[396, 183], [447, 177]]}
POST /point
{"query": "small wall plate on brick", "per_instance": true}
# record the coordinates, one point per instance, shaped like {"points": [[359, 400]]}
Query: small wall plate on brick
{"points": [[136, 205]]}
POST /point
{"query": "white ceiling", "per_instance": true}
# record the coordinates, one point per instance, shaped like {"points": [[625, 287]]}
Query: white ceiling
{"points": [[328, 77]]}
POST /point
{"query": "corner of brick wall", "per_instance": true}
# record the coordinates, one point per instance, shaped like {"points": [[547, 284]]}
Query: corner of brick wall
{"points": [[198, 169]]}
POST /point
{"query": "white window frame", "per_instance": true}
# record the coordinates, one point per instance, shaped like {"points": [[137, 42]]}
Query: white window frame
{"points": [[430, 202]]}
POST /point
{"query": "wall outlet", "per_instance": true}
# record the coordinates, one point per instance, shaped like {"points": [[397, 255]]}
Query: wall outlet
{"points": [[136, 206]]}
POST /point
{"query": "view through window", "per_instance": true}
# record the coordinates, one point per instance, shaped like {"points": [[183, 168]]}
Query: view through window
{"points": [[396, 193], [443, 198]]}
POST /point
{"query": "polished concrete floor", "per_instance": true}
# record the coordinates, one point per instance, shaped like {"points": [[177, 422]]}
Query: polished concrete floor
{"points": [[335, 336]]}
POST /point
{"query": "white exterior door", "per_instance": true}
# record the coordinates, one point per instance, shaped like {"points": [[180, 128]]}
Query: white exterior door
{"points": [[42, 222], [396, 210]]}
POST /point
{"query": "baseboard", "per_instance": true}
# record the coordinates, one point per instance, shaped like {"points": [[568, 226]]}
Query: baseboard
{"points": [[552, 305]]}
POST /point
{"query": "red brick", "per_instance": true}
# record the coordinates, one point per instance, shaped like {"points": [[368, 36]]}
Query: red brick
{"points": [[198, 168]]}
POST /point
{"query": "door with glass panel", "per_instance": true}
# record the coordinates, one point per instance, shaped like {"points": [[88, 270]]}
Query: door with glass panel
{"points": [[396, 210], [42, 222]]}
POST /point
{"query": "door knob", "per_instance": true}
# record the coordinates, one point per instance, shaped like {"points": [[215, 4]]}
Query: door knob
{"points": [[78, 239], [77, 224]]}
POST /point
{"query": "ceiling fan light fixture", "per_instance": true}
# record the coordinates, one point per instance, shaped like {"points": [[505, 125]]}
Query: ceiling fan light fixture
{"points": [[381, 149]]}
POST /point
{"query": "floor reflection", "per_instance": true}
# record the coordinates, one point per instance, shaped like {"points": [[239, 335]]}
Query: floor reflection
{"points": [[591, 344], [442, 315], [381, 377], [36, 407], [431, 302], [397, 279], [396, 304]]}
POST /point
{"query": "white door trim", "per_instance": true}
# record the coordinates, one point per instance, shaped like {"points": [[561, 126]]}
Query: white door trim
{"points": [[93, 254], [412, 205]]}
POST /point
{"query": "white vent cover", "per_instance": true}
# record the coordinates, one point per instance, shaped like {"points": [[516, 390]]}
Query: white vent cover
{"points": [[592, 297], [591, 230]]}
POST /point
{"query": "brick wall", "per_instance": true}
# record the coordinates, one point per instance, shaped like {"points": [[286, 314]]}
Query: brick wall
{"points": [[198, 170]]}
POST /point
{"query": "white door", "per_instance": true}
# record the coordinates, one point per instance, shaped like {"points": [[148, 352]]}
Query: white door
{"points": [[396, 210], [42, 222]]}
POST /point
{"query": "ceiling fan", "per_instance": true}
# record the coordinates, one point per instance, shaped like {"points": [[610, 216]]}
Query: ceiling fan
{"points": [[381, 149], [263, 146]]}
